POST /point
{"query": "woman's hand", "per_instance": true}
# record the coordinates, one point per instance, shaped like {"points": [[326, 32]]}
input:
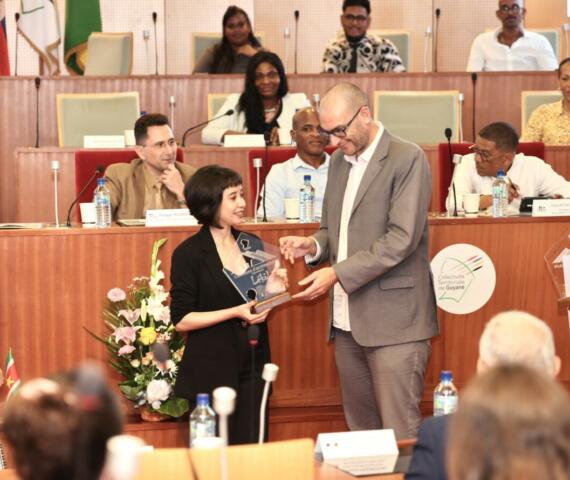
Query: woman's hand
{"points": [[274, 137], [244, 312]]}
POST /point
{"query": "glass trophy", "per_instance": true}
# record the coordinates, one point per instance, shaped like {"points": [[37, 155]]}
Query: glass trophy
{"points": [[264, 280], [558, 265]]}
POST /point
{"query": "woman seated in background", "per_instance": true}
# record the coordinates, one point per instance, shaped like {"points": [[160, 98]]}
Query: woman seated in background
{"points": [[550, 123], [238, 45], [265, 107], [513, 423]]}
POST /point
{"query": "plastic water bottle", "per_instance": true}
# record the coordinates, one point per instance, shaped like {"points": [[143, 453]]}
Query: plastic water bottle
{"points": [[307, 201], [445, 395], [500, 195], [202, 419], [102, 201]]}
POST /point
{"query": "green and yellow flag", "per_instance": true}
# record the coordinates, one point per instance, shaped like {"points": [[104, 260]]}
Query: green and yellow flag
{"points": [[82, 17], [12, 378]]}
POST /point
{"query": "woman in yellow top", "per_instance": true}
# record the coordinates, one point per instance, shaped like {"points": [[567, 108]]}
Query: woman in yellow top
{"points": [[550, 123]]}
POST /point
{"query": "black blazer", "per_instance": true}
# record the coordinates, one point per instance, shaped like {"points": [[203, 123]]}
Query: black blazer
{"points": [[428, 460], [213, 355]]}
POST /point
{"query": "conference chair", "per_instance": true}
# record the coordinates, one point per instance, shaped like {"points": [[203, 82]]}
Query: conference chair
{"points": [[419, 116], [201, 41], [274, 155], [402, 40], [86, 161], [80, 114], [445, 167], [215, 102], [531, 100], [109, 54]]}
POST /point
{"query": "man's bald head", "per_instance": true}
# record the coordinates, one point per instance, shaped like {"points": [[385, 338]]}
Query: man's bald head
{"points": [[516, 337], [302, 115], [343, 97]]}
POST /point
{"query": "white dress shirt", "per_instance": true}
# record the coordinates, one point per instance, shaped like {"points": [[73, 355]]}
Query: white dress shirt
{"points": [[530, 52], [284, 180], [533, 176]]}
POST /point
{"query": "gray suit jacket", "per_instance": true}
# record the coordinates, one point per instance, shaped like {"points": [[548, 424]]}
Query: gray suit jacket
{"points": [[387, 273]]}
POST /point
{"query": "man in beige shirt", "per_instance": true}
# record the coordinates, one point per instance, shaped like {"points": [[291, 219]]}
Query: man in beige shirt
{"points": [[155, 180]]}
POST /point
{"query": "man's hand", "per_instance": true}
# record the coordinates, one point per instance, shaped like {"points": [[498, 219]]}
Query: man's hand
{"points": [[318, 282], [514, 191], [295, 247], [172, 180]]}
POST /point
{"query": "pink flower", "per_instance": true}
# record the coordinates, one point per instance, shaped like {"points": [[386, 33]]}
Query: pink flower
{"points": [[116, 295], [130, 316], [125, 334], [126, 349]]}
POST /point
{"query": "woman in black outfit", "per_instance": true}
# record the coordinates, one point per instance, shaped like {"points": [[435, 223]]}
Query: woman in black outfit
{"points": [[207, 306]]}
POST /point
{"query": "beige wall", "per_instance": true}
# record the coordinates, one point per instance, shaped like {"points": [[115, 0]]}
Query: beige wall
{"points": [[460, 22]]}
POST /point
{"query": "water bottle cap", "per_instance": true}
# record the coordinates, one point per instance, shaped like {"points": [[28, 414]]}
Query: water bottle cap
{"points": [[445, 376], [500, 173], [307, 178], [203, 399], [100, 181]]}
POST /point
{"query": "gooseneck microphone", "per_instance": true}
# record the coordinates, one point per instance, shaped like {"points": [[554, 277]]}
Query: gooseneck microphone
{"points": [[37, 82], [253, 340], [267, 138], [257, 163], [474, 83], [436, 38], [224, 404], [17, 18], [448, 134], [269, 374], [296, 38], [154, 17], [98, 171], [194, 127]]}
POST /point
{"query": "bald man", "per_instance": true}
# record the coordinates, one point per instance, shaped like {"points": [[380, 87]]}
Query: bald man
{"points": [[285, 179], [509, 338], [374, 234]]}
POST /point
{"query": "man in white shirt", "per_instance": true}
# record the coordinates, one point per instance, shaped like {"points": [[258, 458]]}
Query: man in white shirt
{"points": [[374, 234], [285, 179], [511, 47], [495, 149]]}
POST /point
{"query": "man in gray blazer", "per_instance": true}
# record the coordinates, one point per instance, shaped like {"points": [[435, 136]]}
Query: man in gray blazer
{"points": [[374, 233]]}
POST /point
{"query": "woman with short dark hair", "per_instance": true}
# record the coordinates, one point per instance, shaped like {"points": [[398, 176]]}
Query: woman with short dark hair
{"points": [[210, 310], [238, 45], [265, 106]]}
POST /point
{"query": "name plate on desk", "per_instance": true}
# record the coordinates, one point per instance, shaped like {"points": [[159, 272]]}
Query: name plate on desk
{"points": [[367, 452], [249, 140], [551, 207], [103, 141], [174, 217]]}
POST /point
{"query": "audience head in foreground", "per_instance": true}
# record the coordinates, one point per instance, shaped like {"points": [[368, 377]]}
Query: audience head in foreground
{"points": [[495, 150], [513, 423], [550, 123], [58, 428]]}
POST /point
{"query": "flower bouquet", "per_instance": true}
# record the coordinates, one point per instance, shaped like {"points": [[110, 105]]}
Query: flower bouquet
{"points": [[140, 327]]}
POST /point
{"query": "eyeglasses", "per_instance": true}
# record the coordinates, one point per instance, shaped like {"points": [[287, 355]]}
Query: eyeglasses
{"points": [[513, 8], [485, 155], [171, 143], [340, 132], [270, 76], [355, 18]]}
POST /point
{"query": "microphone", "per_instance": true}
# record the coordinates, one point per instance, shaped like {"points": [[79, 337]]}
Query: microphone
{"points": [[161, 355], [55, 169], [269, 374], [266, 136], [171, 105], [253, 340], [286, 36], [427, 36], [37, 82], [257, 163], [17, 18], [194, 127], [99, 170], [296, 13], [224, 404], [448, 134], [253, 335], [154, 17], [436, 38], [316, 101], [474, 83]]}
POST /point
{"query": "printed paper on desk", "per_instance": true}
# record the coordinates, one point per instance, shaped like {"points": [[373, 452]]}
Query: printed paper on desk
{"points": [[249, 140], [103, 141], [174, 217], [365, 452]]}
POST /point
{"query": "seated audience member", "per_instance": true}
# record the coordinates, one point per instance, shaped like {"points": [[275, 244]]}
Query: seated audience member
{"points": [[550, 123], [264, 107], [509, 338], [58, 428], [155, 180], [513, 423], [494, 150], [238, 45], [511, 47], [285, 179], [355, 50]]}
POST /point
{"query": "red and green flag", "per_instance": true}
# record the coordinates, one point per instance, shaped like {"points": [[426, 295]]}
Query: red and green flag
{"points": [[82, 17], [12, 378]]}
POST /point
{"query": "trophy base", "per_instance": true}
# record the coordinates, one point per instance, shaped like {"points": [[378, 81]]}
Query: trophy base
{"points": [[271, 302]]}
